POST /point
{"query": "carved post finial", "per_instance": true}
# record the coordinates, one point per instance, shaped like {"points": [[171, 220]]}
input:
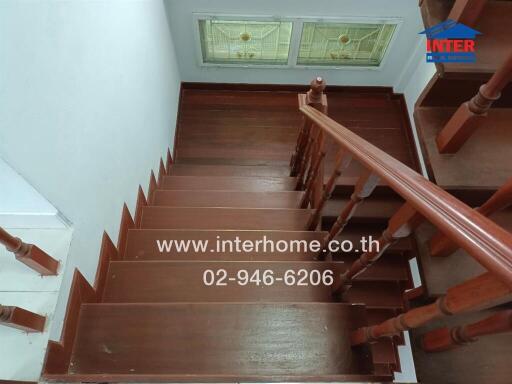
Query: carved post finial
{"points": [[316, 91]]}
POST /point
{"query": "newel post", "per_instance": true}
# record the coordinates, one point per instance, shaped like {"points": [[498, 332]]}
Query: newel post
{"points": [[472, 113], [29, 254], [308, 148]]}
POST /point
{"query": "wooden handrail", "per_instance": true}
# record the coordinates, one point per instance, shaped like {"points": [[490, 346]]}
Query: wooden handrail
{"points": [[440, 245], [29, 254], [470, 115], [487, 242], [442, 339]]}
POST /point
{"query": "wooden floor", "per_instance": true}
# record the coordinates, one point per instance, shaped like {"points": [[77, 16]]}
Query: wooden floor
{"points": [[259, 128]]}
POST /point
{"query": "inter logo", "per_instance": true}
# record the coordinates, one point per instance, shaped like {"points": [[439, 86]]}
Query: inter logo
{"points": [[450, 42]]}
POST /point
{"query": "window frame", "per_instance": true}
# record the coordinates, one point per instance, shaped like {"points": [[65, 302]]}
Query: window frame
{"points": [[295, 39], [199, 53]]}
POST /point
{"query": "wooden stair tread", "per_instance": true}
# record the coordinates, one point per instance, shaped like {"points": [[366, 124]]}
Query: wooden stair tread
{"points": [[491, 46], [219, 340], [372, 209], [386, 268], [235, 183], [182, 281], [276, 155], [463, 170], [375, 294], [224, 218], [353, 233], [244, 199], [228, 170], [237, 161], [142, 244]]}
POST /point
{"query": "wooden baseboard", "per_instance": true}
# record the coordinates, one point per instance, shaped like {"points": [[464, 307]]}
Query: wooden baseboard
{"points": [[280, 87]]}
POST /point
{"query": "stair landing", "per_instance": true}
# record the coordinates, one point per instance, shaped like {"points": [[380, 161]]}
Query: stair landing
{"points": [[483, 162]]}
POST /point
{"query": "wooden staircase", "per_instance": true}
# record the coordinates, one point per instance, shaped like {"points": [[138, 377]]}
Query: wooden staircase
{"points": [[204, 314], [151, 318], [156, 319]]}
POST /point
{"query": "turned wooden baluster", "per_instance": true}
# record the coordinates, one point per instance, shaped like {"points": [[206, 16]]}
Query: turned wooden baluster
{"points": [[484, 291], [21, 319], [343, 159], [441, 245], [467, 11], [306, 159], [29, 254], [471, 114], [300, 147], [444, 338], [314, 171], [401, 225], [363, 188], [317, 99]]}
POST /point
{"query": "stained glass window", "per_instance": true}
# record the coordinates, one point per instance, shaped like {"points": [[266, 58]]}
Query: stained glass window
{"points": [[344, 44], [245, 42]]}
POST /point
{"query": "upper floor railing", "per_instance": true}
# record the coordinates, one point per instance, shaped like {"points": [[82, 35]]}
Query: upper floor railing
{"points": [[484, 240], [41, 262], [29, 254]]}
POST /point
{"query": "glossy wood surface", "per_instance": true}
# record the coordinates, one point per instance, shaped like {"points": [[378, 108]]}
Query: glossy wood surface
{"points": [[228, 170], [224, 218], [218, 339], [226, 183], [242, 199]]}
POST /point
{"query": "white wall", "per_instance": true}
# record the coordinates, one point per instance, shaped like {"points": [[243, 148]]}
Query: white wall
{"points": [[21, 206], [88, 100], [415, 76], [180, 15]]}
